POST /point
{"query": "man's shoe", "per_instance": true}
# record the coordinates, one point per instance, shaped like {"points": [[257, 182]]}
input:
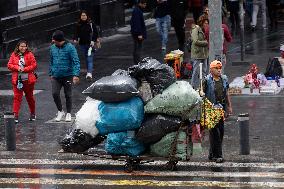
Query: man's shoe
{"points": [[219, 160], [89, 76], [68, 117], [59, 116], [16, 119], [32, 117]]}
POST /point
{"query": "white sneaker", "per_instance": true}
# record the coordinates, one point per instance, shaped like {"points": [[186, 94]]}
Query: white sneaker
{"points": [[68, 117], [89, 76], [59, 116]]}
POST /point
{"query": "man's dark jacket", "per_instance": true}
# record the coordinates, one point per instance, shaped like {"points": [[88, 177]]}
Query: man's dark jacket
{"points": [[137, 23]]}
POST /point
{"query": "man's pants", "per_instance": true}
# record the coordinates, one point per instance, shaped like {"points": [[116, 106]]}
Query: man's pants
{"points": [[178, 24], [18, 96], [234, 14], [88, 59], [163, 25], [137, 52], [195, 79], [256, 7], [216, 135], [57, 84]]}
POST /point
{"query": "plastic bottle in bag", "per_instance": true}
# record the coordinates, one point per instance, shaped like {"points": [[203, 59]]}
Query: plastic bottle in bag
{"points": [[90, 51]]}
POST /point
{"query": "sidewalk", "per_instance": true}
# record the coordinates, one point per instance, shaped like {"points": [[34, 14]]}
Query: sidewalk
{"points": [[40, 139]]}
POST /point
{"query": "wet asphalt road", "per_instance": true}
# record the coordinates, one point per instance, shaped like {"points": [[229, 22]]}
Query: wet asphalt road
{"points": [[37, 164]]}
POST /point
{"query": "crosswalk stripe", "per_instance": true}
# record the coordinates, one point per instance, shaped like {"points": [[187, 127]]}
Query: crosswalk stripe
{"points": [[207, 174], [11, 93], [114, 162], [153, 183]]}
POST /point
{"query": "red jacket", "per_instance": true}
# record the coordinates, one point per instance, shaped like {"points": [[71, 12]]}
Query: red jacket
{"points": [[30, 66], [195, 3], [227, 37]]}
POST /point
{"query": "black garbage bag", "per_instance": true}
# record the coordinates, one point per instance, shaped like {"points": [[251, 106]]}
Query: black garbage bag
{"points": [[115, 88], [78, 141], [156, 126], [158, 75], [120, 72], [273, 68]]}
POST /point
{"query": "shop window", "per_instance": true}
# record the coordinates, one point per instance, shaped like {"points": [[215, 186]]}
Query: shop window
{"points": [[30, 4]]}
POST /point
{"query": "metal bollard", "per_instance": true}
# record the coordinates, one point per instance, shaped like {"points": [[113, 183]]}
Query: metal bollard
{"points": [[10, 132], [243, 120]]}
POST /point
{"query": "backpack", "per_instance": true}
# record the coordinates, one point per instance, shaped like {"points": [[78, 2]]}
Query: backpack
{"points": [[273, 68]]}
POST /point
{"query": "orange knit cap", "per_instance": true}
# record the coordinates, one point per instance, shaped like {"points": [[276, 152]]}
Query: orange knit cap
{"points": [[216, 64]]}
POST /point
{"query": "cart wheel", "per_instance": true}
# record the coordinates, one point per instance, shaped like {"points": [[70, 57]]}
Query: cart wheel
{"points": [[136, 165], [128, 167], [171, 165]]}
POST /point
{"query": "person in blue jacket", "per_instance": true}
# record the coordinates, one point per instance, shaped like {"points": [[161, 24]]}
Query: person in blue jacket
{"points": [[64, 71], [138, 30]]}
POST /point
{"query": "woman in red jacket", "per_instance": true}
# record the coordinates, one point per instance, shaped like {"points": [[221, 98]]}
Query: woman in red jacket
{"points": [[22, 63]]}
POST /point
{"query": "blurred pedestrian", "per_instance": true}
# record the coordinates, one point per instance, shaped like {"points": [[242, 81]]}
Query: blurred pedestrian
{"points": [[22, 63], [227, 36], [258, 4], [64, 71], [138, 29], [199, 51], [86, 34], [234, 8], [197, 8], [272, 8], [163, 21], [178, 12], [216, 91]]}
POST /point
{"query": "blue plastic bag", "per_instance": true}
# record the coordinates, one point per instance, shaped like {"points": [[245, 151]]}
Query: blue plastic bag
{"points": [[120, 116], [123, 143]]}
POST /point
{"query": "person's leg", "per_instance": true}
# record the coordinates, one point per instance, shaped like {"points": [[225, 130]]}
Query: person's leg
{"points": [[84, 50], [159, 28], [254, 15], [220, 139], [29, 89], [263, 11], [137, 50], [18, 95], [196, 14], [205, 67], [165, 32], [90, 62], [67, 85], [216, 137], [56, 87], [180, 33], [232, 16], [224, 62], [195, 80]]}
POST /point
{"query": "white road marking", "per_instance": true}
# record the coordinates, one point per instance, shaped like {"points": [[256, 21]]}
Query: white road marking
{"points": [[102, 182], [11, 93], [114, 162], [59, 122], [204, 174]]}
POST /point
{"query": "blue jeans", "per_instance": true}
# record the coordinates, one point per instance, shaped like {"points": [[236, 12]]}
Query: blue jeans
{"points": [[163, 25], [195, 80], [88, 59]]}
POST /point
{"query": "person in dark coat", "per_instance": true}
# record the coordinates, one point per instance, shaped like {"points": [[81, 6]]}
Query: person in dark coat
{"points": [[178, 11], [138, 30], [197, 8], [86, 34], [272, 6]]}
